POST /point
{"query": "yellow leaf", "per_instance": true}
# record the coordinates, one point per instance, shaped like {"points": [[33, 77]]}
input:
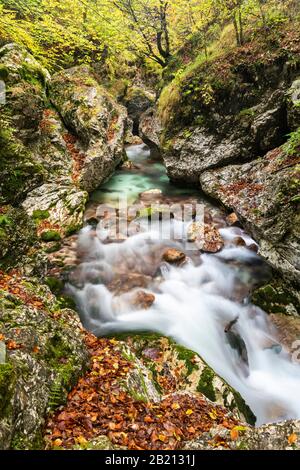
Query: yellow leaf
{"points": [[57, 442], [175, 406], [189, 412], [292, 438], [213, 414], [162, 438], [81, 440]]}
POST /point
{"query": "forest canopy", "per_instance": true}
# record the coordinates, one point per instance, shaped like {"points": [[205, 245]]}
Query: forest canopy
{"points": [[119, 32]]}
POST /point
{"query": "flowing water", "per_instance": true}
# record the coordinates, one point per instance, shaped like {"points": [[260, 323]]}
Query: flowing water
{"points": [[203, 304]]}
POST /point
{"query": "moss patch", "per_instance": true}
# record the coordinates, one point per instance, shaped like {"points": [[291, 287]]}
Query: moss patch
{"points": [[205, 384], [7, 379], [50, 236]]}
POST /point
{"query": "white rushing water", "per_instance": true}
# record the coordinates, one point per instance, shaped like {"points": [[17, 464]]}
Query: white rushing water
{"points": [[194, 304]]}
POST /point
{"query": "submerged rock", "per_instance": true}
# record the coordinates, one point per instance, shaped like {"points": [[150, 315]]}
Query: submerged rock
{"points": [[206, 237], [174, 256]]}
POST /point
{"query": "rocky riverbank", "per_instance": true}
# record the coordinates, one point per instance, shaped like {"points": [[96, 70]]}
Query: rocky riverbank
{"points": [[60, 138]]}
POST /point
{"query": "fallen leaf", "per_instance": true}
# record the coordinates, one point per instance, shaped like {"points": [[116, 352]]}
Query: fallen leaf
{"points": [[293, 438], [234, 434]]}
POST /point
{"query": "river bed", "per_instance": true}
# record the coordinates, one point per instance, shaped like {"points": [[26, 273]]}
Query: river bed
{"points": [[202, 303]]}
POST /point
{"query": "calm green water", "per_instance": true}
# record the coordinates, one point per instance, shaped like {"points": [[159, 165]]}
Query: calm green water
{"points": [[149, 174]]}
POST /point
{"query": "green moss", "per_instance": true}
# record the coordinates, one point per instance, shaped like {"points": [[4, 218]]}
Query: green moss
{"points": [[4, 72], [51, 236], [244, 408], [73, 229], [56, 349], [18, 171], [205, 384], [22, 442], [39, 215], [247, 112], [274, 298], [55, 285], [7, 380], [187, 356], [292, 147], [32, 74]]}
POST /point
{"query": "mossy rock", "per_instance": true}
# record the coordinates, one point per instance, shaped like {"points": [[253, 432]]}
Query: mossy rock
{"points": [[19, 173], [17, 236], [7, 380], [276, 298], [50, 236]]}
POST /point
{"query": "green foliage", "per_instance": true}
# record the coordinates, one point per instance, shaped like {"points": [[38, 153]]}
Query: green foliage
{"points": [[292, 147]]}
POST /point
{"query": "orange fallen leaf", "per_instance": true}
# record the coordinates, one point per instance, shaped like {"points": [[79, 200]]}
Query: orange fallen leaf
{"points": [[175, 406], [57, 442], [293, 438], [234, 434]]}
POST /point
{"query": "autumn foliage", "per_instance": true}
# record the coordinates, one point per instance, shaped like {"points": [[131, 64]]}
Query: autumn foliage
{"points": [[100, 405]]}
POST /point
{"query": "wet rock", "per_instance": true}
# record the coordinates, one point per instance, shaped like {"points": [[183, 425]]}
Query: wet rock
{"points": [[288, 332], [150, 129], [253, 247], [46, 356], [175, 368], [151, 194], [129, 166], [232, 219], [239, 241], [100, 124], [174, 256], [123, 283], [206, 237], [262, 195], [143, 300]]}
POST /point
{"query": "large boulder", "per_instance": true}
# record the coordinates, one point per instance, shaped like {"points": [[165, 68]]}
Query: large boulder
{"points": [[223, 139], [98, 122], [137, 101], [294, 105], [43, 355], [150, 129], [264, 195], [279, 436], [229, 109]]}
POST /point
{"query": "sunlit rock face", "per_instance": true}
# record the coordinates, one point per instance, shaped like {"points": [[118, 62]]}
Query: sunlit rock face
{"points": [[263, 193], [98, 122]]}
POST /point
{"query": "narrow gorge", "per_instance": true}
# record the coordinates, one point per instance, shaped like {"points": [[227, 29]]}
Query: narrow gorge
{"points": [[149, 251]]}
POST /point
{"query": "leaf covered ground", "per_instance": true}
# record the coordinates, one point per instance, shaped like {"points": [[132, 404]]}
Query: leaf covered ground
{"points": [[100, 405]]}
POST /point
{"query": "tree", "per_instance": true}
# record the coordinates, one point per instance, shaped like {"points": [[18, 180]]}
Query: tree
{"points": [[149, 19]]}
